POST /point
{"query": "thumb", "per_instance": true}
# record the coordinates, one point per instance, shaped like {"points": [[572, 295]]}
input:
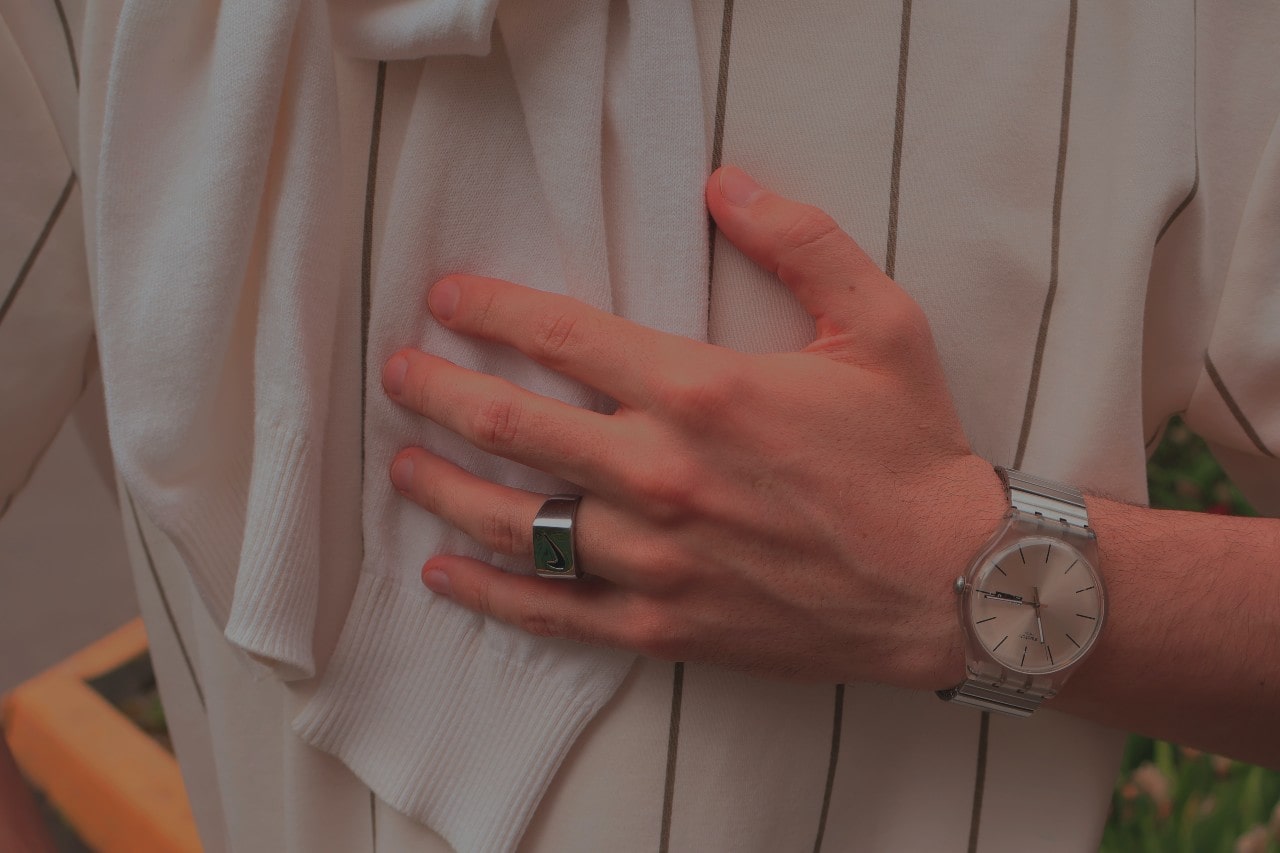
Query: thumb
{"points": [[828, 272]]}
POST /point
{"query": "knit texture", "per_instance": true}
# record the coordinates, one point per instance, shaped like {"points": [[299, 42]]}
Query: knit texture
{"points": [[558, 144]]}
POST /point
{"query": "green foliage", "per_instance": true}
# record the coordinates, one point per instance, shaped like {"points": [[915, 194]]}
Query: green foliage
{"points": [[1168, 798]]}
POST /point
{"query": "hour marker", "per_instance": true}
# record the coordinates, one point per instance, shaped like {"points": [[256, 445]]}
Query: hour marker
{"points": [[1072, 566], [1073, 639], [1001, 571], [1047, 551], [988, 619], [1086, 589], [1049, 651], [1024, 656], [1001, 643], [1022, 555], [1087, 616]]}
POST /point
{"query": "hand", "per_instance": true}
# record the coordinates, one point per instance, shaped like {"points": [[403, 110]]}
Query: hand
{"points": [[799, 515]]}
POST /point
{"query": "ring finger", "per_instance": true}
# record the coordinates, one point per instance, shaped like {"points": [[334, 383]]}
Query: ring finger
{"points": [[501, 518]]}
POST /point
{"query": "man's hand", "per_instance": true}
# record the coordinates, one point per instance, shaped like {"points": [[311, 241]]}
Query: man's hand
{"points": [[797, 515]]}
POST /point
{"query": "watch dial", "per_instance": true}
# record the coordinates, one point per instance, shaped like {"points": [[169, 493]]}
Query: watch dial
{"points": [[1036, 605]]}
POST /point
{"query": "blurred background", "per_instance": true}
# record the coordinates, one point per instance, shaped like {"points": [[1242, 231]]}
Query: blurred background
{"points": [[66, 582]]}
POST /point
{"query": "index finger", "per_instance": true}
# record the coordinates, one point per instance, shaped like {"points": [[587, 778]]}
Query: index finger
{"points": [[608, 353]]}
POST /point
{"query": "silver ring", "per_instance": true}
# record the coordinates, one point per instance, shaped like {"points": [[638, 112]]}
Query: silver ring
{"points": [[553, 552]]}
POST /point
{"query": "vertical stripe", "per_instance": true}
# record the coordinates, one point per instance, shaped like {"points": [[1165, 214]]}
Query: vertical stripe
{"points": [[717, 135], [677, 671], [1055, 238], [71, 46], [837, 723], [366, 251], [1195, 122], [373, 823], [980, 781], [673, 746], [899, 129], [164, 600], [980, 773], [1234, 407], [722, 84], [25, 270]]}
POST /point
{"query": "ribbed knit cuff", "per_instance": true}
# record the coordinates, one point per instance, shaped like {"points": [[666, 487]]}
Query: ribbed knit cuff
{"points": [[205, 524], [272, 615], [455, 721]]}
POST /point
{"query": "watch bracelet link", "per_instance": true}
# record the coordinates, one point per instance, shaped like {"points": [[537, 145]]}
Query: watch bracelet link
{"points": [[985, 697], [1038, 496]]}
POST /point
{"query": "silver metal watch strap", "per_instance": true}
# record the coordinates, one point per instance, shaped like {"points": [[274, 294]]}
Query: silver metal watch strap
{"points": [[997, 690], [985, 696], [1038, 496]]}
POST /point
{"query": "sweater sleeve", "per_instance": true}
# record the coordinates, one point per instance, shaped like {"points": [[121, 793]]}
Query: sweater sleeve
{"points": [[216, 291], [46, 323]]}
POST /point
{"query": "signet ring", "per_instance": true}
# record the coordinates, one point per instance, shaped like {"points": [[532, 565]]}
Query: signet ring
{"points": [[553, 552]]}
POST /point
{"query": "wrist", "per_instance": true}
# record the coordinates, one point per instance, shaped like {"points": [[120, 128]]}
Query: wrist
{"points": [[975, 504]]}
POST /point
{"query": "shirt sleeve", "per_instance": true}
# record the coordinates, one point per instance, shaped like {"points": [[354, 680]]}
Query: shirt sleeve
{"points": [[46, 317], [1236, 402]]}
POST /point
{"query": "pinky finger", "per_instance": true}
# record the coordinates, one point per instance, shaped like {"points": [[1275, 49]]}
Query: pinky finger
{"points": [[592, 612]]}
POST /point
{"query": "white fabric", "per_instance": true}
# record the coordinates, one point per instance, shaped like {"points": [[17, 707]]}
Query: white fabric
{"points": [[210, 312], [217, 245]]}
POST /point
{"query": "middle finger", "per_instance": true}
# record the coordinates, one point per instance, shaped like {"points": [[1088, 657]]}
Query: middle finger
{"points": [[502, 418]]}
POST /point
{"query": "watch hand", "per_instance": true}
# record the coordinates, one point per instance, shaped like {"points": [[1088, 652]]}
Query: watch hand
{"points": [[1036, 604], [1002, 596]]}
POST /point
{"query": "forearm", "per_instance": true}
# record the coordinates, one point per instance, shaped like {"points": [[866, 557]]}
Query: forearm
{"points": [[1191, 650]]}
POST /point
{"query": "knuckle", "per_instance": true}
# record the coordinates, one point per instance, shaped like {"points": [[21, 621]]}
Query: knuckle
{"points": [[667, 491], [482, 598], [812, 231], [417, 386], [502, 532], [479, 304], [553, 334], [904, 323], [700, 395], [653, 633], [497, 423], [540, 622], [666, 573]]}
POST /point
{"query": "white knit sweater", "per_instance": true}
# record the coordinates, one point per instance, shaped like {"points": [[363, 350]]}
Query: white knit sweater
{"points": [[218, 282]]}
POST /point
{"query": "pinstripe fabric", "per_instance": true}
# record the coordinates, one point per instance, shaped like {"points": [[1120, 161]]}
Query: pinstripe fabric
{"points": [[71, 46], [34, 253], [677, 670], [853, 768], [1052, 292], [1236, 411], [164, 600], [899, 128], [984, 731], [673, 750], [1195, 65], [366, 299], [837, 723], [366, 250]]}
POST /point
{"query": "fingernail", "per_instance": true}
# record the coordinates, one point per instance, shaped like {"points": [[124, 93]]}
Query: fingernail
{"points": [[393, 374], [402, 473], [443, 299], [737, 187], [436, 581]]}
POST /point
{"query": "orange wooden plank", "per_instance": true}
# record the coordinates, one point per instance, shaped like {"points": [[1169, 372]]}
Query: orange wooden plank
{"points": [[121, 790]]}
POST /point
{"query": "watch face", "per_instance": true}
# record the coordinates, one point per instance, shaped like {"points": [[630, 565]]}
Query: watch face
{"points": [[1036, 605]]}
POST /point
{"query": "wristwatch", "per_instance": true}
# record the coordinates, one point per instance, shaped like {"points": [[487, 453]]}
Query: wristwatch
{"points": [[1032, 602]]}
